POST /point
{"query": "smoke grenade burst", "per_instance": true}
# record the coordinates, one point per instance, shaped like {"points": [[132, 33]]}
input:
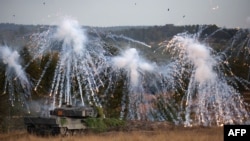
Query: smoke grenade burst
{"points": [[17, 84], [133, 64], [135, 99], [76, 69], [209, 99], [72, 35]]}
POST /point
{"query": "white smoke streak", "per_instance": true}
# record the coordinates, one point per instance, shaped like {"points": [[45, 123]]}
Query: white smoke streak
{"points": [[15, 75]]}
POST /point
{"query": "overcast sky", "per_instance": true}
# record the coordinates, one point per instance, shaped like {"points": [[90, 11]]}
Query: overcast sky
{"points": [[224, 13]]}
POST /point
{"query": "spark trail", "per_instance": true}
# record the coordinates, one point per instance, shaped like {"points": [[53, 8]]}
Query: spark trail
{"points": [[114, 37], [239, 49]]}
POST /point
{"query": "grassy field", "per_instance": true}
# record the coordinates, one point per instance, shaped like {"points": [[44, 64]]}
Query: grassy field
{"points": [[175, 134]]}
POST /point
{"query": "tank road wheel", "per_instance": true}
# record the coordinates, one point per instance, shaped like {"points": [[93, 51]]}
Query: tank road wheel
{"points": [[70, 133], [55, 131], [31, 129], [65, 131]]}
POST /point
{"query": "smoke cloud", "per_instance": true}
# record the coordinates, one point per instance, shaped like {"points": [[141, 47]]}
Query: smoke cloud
{"points": [[11, 59], [68, 31], [133, 64]]}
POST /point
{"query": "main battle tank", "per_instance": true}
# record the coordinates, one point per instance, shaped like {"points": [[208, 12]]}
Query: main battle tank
{"points": [[65, 120]]}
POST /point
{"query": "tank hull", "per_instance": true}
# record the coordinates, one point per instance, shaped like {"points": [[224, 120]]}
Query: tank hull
{"points": [[64, 121], [54, 125]]}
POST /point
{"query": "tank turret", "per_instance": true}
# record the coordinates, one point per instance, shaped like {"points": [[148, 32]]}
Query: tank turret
{"points": [[77, 112]]}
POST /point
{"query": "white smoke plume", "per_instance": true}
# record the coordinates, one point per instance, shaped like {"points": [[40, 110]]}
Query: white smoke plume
{"points": [[69, 31], [11, 59], [200, 56], [132, 63]]}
